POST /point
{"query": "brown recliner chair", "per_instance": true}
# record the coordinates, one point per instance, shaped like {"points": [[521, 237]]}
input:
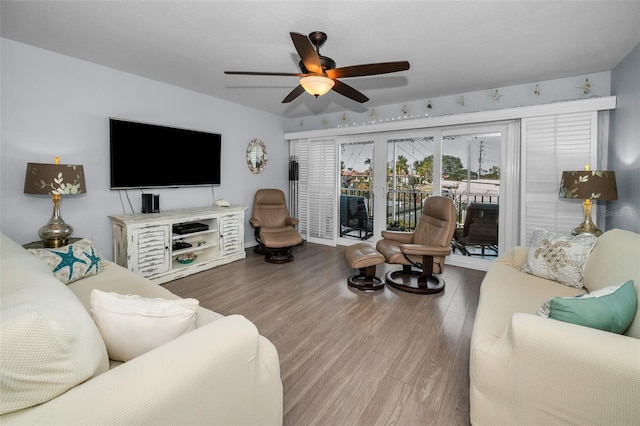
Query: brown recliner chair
{"points": [[273, 227], [421, 252]]}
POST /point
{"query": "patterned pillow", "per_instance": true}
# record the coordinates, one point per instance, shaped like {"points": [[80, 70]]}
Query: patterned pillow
{"points": [[72, 262], [610, 309], [558, 257]]}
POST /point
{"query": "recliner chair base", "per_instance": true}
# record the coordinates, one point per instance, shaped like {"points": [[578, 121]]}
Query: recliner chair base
{"points": [[415, 281], [260, 249], [279, 255]]}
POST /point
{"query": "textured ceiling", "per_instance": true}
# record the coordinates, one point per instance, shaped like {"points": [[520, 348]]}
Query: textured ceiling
{"points": [[453, 46]]}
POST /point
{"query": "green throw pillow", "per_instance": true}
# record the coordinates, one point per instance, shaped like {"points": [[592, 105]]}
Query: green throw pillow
{"points": [[609, 309]]}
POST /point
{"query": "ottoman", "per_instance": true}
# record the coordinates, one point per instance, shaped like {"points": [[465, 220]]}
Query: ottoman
{"points": [[364, 257]]}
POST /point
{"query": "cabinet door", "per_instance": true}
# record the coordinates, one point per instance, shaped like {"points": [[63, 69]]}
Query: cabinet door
{"points": [[231, 238], [150, 250]]}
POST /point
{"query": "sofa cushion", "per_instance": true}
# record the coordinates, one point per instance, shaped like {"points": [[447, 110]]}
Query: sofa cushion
{"points": [[132, 325], [558, 257], [49, 342], [609, 309], [117, 279], [72, 262]]}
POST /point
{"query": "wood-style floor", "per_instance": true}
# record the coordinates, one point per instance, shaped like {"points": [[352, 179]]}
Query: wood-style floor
{"points": [[349, 357]]}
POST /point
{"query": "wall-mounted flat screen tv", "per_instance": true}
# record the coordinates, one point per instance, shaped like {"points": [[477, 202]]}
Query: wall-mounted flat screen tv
{"points": [[153, 156]]}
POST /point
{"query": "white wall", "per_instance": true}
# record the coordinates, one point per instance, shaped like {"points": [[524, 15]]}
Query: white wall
{"points": [[55, 105], [624, 144]]}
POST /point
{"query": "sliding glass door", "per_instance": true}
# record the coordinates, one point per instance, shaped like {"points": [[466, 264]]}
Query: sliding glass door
{"points": [[410, 179], [472, 166], [471, 176], [356, 198]]}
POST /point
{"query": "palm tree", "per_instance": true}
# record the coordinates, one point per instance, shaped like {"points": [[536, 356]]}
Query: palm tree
{"points": [[425, 168], [402, 165], [367, 162]]}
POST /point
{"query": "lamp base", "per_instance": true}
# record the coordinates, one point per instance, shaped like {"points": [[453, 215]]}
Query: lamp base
{"points": [[56, 232], [582, 229], [55, 235], [587, 226]]}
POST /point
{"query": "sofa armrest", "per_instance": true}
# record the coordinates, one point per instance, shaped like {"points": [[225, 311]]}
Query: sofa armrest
{"points": [[221, 373], [543, 371], [515, 257]]}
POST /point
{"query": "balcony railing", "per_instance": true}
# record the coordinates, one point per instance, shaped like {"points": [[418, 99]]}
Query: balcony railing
{"points": [[405, 206]]}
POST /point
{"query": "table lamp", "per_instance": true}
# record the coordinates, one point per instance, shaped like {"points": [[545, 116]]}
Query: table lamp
{"points": [[588, 185], [56, 180]]}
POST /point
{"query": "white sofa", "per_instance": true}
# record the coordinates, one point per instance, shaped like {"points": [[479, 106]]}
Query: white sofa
{"points": [[221, 373], [532, 370]]}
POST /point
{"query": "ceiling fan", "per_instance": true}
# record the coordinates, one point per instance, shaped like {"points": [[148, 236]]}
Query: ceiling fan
{"points": [[319, 73]]}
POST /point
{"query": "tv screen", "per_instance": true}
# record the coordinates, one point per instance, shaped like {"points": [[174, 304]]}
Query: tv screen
{"points": [[153, 156]]}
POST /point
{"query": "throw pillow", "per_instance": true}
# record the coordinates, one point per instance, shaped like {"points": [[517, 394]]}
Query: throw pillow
{"points": [[610, 309], [558, 257], [71, 262], [132, 325]]}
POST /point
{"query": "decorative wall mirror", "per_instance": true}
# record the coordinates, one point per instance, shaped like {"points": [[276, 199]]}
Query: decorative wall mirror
{"points": [[256, 156]]}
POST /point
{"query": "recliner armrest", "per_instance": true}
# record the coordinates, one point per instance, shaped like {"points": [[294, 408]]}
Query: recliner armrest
{"points": [[292, 221], [422, 250], [255, 222], [402, 237]]}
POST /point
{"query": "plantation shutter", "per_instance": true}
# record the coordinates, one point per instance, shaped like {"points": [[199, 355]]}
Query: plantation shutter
{"points": [[316, 188], [298, 150], [552, 144]]}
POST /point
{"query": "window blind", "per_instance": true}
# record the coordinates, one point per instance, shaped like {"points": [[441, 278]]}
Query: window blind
{"points": [[551, 145], [316, 188]]}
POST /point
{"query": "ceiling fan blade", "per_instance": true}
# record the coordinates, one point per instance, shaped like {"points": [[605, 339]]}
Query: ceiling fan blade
{"points": [[299, 90], [349, 92], [368, 69], [307, 53], [285, 74]]}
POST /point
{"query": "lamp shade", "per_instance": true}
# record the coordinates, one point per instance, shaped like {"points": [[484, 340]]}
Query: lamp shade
{"points": [[54, 179], [317, 85], [589, 184]]}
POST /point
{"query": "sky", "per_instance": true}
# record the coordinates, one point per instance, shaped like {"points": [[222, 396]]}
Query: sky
{"points": [[355, 155]]}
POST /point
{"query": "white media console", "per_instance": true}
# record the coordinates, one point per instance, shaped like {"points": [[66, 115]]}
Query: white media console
{"points": [[147, 244]]}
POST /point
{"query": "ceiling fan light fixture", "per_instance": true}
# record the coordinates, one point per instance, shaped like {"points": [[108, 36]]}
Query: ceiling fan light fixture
{"points": [[317, 85], [319, 73]]}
